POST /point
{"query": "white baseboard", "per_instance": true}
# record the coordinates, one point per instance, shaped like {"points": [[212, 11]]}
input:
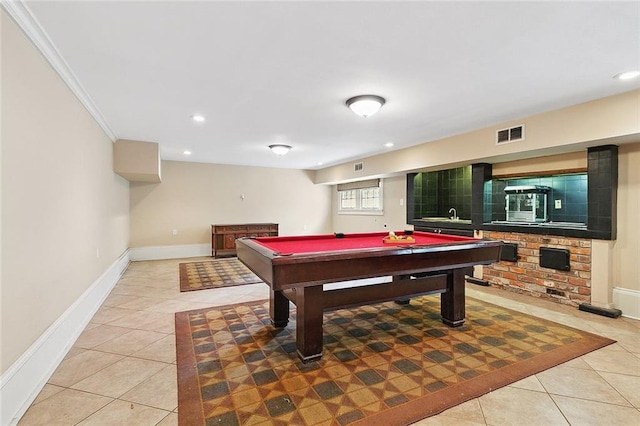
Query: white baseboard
{"points": [[628, 301], [170, 252], [23, 381]]}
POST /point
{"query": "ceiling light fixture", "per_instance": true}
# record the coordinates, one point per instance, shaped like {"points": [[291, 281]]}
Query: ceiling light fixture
{"points": [[280, 149], [198, 118], [187, 152], [627, 75], [388, 144], [365, 105]]}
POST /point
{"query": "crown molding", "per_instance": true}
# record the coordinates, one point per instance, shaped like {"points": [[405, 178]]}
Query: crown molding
{"points": [[24, 18]]}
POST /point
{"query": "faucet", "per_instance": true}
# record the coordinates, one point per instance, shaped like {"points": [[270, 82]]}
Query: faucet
{"points": [[455, 215]]}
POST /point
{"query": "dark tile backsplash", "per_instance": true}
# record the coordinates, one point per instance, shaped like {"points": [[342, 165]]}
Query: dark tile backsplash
{"points": [[437, 192]]}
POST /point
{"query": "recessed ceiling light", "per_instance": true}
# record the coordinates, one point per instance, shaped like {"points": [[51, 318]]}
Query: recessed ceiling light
{"points": [[628, 75], [198, 118], [187, 152], [320, 163], [388, 144]]}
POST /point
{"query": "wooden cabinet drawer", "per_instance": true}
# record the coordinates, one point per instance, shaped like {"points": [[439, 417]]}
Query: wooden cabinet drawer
{"points": [[229, 229], [223, 237], [229, 242]]}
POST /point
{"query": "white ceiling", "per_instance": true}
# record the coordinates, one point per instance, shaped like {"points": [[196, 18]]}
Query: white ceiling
{"points": [[280, 72]]}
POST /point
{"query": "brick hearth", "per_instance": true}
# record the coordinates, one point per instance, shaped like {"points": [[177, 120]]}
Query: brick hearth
{"points": [[528, 277]]}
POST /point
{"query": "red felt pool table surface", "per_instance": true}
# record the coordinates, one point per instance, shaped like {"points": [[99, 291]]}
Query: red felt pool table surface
{"points": [[328, 243]]}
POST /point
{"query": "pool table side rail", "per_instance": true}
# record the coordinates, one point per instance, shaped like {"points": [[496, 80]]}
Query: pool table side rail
{"points": [[282, 272]]}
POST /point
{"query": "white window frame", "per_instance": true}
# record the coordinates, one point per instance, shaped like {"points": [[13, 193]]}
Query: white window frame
{"points": [[358, 209]]}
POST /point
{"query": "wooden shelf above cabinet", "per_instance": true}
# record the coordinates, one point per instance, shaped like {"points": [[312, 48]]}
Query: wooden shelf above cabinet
{"points": [[223, 237]]}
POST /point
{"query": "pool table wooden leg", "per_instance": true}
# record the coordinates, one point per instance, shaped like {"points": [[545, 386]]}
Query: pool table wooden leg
{"points": [[452, 301], [309, 306], [278, 309]]}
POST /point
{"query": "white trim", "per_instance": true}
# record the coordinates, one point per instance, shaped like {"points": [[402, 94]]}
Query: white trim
{"points": [[170, 252], [628, 301], [25, 19], [23, 381]]}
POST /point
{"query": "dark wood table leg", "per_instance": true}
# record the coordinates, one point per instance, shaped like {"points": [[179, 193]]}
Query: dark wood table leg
{"points": [[278, 309], [397, 280], [309, 306], [452, 301]]}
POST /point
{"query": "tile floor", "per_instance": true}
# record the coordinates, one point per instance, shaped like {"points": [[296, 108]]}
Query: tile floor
{"points": [[122, 371]]}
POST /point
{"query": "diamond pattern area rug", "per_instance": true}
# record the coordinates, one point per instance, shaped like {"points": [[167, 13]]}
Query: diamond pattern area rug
{"points": [[383, 364], [214, 274]]}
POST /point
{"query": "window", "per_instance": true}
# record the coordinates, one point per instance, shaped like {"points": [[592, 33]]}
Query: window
{"points": [[348, 200], [370, 198], [364, 197]]}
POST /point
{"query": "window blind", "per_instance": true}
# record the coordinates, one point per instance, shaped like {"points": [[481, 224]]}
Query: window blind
{"points": [[370, 183]]}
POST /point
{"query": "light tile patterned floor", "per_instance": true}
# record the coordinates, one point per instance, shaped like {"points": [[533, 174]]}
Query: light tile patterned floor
{"points": [[122, 370]]}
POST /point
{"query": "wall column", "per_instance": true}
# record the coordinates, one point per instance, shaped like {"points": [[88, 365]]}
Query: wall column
{"points": [[602, 273]]}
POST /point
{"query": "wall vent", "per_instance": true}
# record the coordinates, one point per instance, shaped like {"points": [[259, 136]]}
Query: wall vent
{"points": [[555, 292], [358, 167], [512, 134]]}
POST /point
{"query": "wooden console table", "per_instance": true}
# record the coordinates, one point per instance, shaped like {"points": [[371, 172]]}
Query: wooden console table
{"points": [[223, 237]]}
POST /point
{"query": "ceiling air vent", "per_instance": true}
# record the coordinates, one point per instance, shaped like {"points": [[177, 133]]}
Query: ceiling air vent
{"points": [[358, 167], [512, 134]]}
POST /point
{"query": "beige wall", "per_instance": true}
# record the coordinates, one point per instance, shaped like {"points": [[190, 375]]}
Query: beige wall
{"points": [[551, 163], [61, 202], [137, 161], [192, 196], [394, 191], [626, 253]]}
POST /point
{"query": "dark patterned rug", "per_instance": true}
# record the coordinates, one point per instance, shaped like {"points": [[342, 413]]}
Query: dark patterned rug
{"points": [[214, 274], [383, 364]]}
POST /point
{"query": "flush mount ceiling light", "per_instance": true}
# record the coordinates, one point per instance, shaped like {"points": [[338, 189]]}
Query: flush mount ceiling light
{"points": [[627, 75], [365, 105], [198, 118], [280, 149]]}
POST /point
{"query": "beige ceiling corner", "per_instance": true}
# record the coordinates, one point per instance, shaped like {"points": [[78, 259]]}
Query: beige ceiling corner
{"points": [[137, 161]]}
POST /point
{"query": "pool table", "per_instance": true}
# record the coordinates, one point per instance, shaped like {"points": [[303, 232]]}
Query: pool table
{"points": [[297, 267]]}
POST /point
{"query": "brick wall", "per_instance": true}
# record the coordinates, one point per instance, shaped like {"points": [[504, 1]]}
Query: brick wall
{"points": [[528, 277]]}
